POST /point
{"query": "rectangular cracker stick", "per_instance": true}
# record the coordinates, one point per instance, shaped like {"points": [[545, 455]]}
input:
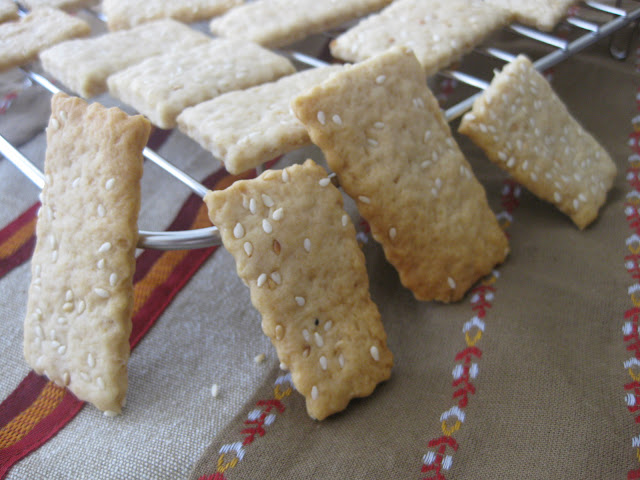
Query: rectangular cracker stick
{"points": [[247, 128], [274, 23], [541, 14], [438, 32], [8, 10], [419, 195], [61, 4], [163, 86], [296, 249], [525, 129], [84, 65], [78, 320], [23, 39], [123, 14]]}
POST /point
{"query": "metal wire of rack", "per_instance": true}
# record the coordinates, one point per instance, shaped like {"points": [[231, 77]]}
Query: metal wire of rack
{"points": [[206, 237]]}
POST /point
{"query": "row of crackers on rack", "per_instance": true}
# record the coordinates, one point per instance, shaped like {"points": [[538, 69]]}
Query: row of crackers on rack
{"points": [[222, 92], [294, 245]]}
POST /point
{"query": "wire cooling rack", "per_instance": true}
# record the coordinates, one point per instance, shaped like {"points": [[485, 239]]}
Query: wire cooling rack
{"points": [[585, 32]]}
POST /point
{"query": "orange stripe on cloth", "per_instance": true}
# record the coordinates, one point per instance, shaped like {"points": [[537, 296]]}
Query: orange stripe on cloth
{"points": [[19, 427], [17, 239]]}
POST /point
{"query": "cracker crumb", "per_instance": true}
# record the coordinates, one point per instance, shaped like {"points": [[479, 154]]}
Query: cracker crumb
{"points": [[259, 358], [215, 390]]}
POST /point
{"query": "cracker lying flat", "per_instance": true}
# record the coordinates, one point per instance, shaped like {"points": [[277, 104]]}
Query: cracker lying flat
{"points": [[419, 194], [163, 86], [78, 320], [62, 4], [22, 40], [438, 32], [249, 127], [8, 10], [129, 13], [84, 65], [542, 14], [296, 249], [525, 129], [274, 23]]}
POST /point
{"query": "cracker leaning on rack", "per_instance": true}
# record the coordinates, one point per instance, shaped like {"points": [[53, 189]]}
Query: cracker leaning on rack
{"points": [[419, 195], [78, 320], [295, 248], [525, 129]]}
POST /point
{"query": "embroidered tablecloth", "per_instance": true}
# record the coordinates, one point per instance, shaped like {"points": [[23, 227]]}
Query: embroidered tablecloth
{"points": [[535, 374]]}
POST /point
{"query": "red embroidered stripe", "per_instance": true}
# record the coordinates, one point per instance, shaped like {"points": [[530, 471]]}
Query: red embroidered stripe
{"points": [[28, 421]]}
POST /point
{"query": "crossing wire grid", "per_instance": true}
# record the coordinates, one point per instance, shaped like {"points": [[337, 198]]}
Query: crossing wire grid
{"points": [[581, 28]]}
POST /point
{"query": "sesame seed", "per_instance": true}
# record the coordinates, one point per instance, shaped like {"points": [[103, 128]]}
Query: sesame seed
{"points": [[37, 341], [511, 162], [418, 102], [105, 247], [110, 413], [68, 296], [323, 362], [576, 203], [62, 349], [52, 333], [379, 125], [55, 344], [341, 360], [557, 197], [279, 332], [374, 353], [502, 156], [372, 142], [364, 199], [259, 358], [101, 292], [262, 279], [285, 176], [318, 338], [452, 282], [328, 325], [54, 123], [305, 335], [434, 192], [534, 177], [449, 142], [101, 211], [81, 306], [392, 233], [283, 366], [76, 182], [238, 230], [336, 119], [113, 279], [61, 320], [321, 117], [435, 155], [109, 183], [483, 128], [324, 182], [266, 226], [52, 241], [438, 182], [582, 197], [63, 115], [425, 164], [214, 390], [67, 307], [314, 393], [54, 256], [275, 276], [266, 199], [380, 79], [307, 244], [300, 301], [248, 248], [345, 220], [101, 263], [66, 378], [91, 361], [252, 206]]}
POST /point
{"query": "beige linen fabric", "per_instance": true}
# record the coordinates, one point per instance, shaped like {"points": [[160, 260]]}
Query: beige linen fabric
{"points": [[549, 400]]}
